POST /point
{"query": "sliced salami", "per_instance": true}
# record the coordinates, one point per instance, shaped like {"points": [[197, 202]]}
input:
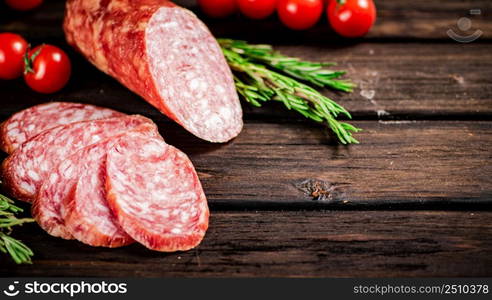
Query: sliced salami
{"points": [[155, 193], [45, 207], [65, 211], [86, 213], [28, 123], [24, 171], [165, 54]]}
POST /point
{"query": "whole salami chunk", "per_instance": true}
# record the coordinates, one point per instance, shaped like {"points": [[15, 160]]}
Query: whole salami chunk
{"points": [[24, 170], [29, 122], [65, 211], [165, 54], [155, 193]]}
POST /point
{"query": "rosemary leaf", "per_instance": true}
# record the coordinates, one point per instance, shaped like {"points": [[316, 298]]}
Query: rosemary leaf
{"points": [[256, 84], [312, 72], [19, 252]]}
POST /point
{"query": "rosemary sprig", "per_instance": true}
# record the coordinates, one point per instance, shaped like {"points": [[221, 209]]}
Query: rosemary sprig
{"points": [[257, 84], [19, 252], [313, 72]]}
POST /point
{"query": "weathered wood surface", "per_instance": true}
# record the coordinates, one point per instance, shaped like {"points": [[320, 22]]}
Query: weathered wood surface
{"points": [[425, 104], [409, 80], [396, 163], [396, 81], [413, 164], [397, 19], [302, 243]]}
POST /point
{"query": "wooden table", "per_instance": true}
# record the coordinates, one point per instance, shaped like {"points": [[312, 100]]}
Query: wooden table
{"points": [[412, 199]]}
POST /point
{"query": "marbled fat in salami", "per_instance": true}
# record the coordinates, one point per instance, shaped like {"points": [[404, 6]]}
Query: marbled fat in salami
{"points": [[165, 54], [65, 211], [28, 123], [155, 193], [24, 171], [86, 213]]}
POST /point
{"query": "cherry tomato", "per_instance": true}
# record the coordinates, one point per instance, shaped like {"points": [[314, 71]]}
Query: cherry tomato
{"points": [[299, 14], [12, 50], [48, 69], [23, 5], [257, 9], [218, 8], [351, 18]]}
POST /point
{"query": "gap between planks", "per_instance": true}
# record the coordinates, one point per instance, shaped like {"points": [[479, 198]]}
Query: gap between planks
{"points": [[291, 244]]}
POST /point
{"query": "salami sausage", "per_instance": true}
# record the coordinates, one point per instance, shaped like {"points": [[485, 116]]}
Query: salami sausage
{"points": [[86, 213], [155, 193], [71, 203], [24, 171], [65, 211], [28, 123], [165, 54]]}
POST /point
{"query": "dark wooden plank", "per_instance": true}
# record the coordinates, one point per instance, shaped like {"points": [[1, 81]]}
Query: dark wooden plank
{"points": [[396, 81], [267, 244], [411, 69], [411, 80], [420, 164], [397, 19]]}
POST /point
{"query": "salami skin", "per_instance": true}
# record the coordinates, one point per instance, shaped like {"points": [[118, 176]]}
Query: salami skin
{"points": [[155, 193], [165, 54], [24, 171], [71, 202], [28, 123]]}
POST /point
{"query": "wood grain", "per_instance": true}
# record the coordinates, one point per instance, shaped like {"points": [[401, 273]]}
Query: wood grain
{"points": [[397, 19], [416, 80], [295, 244], [396, 81], [397, 163], [425, 104]]}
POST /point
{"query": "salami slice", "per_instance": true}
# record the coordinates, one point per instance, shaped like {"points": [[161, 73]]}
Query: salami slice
{"points": [[165, 54], [155, 193], [65, 211], [28, 123], [24, 171], [86, 213]]}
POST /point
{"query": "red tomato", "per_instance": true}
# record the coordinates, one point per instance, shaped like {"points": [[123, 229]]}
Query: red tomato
{"points": [[299, 14], [12, 50], [23, 4], [351, 18], [48, 69], [257, 9], [218, 8]]}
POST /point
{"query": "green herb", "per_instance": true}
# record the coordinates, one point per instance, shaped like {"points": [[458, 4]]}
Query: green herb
{"points": [[312, 72], [19, 252], [257, 82]]}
